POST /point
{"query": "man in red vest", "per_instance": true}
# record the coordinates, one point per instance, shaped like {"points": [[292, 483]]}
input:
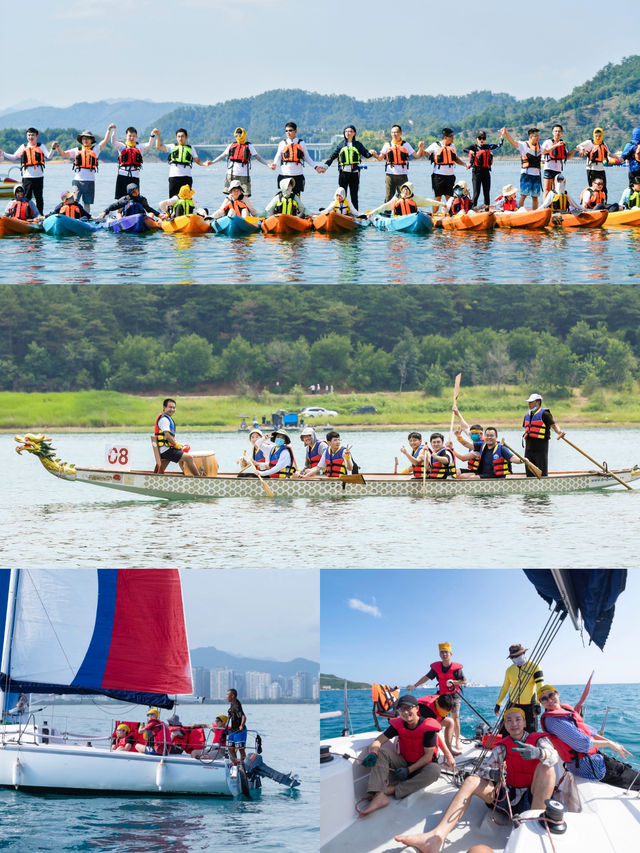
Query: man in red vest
{"points": [[530, 779], [450, 678]]}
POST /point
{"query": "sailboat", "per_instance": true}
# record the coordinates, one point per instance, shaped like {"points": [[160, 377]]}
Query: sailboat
{"points": [[112, 632], [598, 818]]}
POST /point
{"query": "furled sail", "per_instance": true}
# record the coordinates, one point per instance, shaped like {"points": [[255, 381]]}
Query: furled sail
{"points": [[116, 632], [587, 593]]}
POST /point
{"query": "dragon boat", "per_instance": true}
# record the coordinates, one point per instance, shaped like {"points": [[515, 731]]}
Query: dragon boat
{"points": [[177, 486]]}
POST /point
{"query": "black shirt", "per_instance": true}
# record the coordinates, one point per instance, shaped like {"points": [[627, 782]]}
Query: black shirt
{"points": [[235, 716]]}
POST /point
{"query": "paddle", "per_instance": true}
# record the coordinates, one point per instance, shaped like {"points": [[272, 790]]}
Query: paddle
{"points": [[591, 459], [456, 391], [530, 465], [267, 488]]}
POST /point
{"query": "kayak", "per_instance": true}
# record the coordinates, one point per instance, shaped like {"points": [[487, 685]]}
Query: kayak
{"points": [[530, 219], [475, 220], [588, 219], [623, 217], [9, 226], [283, 223], [236, 226], [411, 223], [7, 184], [191, 224], [59, 225], [138, 223], [334, 222]]}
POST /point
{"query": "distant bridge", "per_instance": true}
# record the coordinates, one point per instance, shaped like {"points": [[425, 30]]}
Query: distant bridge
{"points": [[317, 150]]}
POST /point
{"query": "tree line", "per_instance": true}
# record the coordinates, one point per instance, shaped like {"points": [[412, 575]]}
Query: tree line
{"points": [[361, 338]]}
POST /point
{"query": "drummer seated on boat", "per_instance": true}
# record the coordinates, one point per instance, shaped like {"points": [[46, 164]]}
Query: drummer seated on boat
{"points": [[314, 448], [165, 434], [286, 200], [417, 455], [124, 741], [21, 207], [412, 767], [494, 459], [131, 204], [531, 777], [237, 204], [335, 460], [69, 207], [341, 205], [405, 204]]}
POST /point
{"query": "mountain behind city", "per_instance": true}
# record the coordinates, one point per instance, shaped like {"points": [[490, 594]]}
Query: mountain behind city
{"points": [[210, 657]]}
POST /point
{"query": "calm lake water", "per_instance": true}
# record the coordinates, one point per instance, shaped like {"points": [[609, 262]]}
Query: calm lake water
{"points": [[48, 521], [277, 820], [501, 256]]}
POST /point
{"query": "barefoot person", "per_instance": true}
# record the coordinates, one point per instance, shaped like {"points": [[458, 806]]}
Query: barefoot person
{"points": [[530, 760], [450, 678], [414, 766], [165, 433]]}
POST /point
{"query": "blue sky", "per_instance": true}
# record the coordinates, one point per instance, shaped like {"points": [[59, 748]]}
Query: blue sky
{"points": [[124, 49], [385, 625]]}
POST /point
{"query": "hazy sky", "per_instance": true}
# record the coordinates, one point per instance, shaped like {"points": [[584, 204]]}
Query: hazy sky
{"points": [[267, 613], [183, 51], [385, 626]]}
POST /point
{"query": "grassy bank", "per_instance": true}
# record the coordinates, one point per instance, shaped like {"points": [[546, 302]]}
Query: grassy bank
{"points": [[109, 411]]}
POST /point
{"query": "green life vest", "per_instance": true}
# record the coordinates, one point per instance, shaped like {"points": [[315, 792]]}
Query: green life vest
{"points": [[181, 155], [183, 207], [560, 202], [287, 205], [349, 156], [633, 200]]}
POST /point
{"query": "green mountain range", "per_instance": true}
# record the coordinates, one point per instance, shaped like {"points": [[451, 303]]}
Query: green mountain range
{"points": [[336, 682]]}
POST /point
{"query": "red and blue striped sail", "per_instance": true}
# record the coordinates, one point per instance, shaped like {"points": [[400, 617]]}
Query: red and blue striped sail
{"points": [[117, 632]]}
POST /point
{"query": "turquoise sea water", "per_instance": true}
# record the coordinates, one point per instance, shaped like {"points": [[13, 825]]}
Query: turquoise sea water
{"points": [[501, 256], [623, 720], [277, 820]]}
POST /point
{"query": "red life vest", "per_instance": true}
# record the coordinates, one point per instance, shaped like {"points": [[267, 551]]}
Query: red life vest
{"points": [[560, 152], [411, 740], [441, 467], [460, 203], [598, 154], [236, 206], [531, 158], [314, 453], [509, 203], [239, 153], [121, 742], [20, 210], [534, 426], [481, 159], [274, 456], [444, 157], [397, 155], [32, 156], [519, 770], [85, 159], [429, 702], [565, 752], [404, 206], [500, 464], [220, 736], [159, 736], [596, 197], [188, 738], [134, 731], [444, 676], [293, 153], [417, 467], [130, 157], [335, 463], [72, 210]]}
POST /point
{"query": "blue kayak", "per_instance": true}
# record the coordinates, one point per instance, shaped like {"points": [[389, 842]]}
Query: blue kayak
{"points": [[59, 225], [137, 223], [236, 226], [412, 223]]}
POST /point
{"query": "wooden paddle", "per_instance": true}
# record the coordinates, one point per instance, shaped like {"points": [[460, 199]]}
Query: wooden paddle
{"points": [[591, 459], [456, 391], [352, 478], [530, 465], [267, 488]]}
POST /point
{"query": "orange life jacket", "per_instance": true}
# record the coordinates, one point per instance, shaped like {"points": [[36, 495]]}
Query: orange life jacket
{"points": [[531, 158], [72, 210], [85, 159], [236, 206], [397, 155], [404, 206], [32, 156], [20, 210], [444, 157], [293, 153], [596, 197], [598, 154]]}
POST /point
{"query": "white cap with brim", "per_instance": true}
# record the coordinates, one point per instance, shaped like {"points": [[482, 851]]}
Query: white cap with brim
{"points": [[308, 431], [534, 397]]}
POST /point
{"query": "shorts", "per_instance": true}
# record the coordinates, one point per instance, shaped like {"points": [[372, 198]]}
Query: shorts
{"points": [[442, 184], [237, 738], [85, 191], [244, 180], [172, 454], [523, 804], [530, 185], [551, 174]]}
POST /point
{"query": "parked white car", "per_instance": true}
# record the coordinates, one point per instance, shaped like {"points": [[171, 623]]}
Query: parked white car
{"points": [[317, 412]]}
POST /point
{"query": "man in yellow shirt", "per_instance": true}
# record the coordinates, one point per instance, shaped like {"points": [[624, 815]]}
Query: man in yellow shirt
{"points": [[521, 681]]}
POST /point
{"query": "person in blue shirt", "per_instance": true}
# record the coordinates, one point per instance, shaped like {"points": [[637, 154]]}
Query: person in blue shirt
{"points": [[631, 153], [495, 460]]}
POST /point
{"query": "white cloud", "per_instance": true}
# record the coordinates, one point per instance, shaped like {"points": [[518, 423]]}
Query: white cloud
{"points": [[371, 609]]}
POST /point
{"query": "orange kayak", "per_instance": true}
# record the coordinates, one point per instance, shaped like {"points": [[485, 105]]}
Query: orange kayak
{"points": [[530, 219], [588, 219], [334, 222], [472, 221], [623, 217], [283, 223], [11, 225], [191, 224]]}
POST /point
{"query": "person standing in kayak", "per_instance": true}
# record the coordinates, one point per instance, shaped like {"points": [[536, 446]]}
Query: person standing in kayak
{"points": [[530, 181], [129, 159], [444, 158], [396, 155], [349, 153], [480, 162], [239, 155], [32, 157], [597, 154], [85, 164], [291, 156], [554, 155], [538, 423], [182, 156], [450, 679]]}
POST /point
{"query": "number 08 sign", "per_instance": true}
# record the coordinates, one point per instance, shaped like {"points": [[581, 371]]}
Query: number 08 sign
{"points": [[117, 456]]}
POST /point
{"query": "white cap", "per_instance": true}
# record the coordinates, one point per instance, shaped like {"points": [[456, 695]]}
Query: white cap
{"points": [[308, 431], [534, 397]]}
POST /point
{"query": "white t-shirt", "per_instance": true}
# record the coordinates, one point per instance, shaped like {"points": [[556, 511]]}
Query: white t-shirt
{"points": [[392, 169], [164, 425], [292, 169], [523, 148], [239, 170], [443, 169], [177, 170], [551, 165], [30, 171], [133, 171], [585, 147], [83, 174]]}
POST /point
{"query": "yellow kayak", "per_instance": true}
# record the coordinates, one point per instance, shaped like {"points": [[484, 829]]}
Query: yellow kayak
{"points": [[623, 217]]}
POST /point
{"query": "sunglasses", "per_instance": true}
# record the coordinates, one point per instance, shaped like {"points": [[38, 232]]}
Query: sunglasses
{"points": [[546, 697]]}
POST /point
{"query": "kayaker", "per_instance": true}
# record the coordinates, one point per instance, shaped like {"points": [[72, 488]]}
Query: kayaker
{"points": [[182, 156], [236, 727], [182, 204], [559, 200], [412, 767], [314, 448], [69, 206], [286, 200], [578, 744], [416, 455], [404, 203], [280, 462], [480, 162], [32, 158], [349, 153], [521, 681], [460, 201], [631, 153], [335, 460], [130, 204], [530, 181], [594, 197], [239, 154], [555, 154], [494, 460], [530, 760], [21, 207], [129, 159], [538, 423], [237, 204], [444, 158], [440, 459], [597, 154], [291, 156], [341, 205], [165, 433], [396, 155], [507, 201], [85, 163], [630, 197], [450, 678]]}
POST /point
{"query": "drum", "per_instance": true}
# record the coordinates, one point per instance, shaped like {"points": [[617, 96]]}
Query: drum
{"points": [[206, 462]]}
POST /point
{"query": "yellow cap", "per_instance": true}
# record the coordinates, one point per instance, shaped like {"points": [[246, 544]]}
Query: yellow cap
{"points": [[185, 191], [515, 711], [444, 647], [123, 727], [153, 712], [223, 718], [545, 688]]}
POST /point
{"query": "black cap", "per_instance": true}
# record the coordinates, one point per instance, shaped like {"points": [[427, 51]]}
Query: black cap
{"points": [[407, 699]]}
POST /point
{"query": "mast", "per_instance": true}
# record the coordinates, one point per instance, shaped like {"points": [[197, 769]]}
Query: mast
{"points": [[8, 633], [563, 582]]}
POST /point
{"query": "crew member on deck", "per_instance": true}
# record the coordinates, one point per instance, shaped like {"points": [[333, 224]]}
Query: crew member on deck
{"points": [[124, 741], [450, 678], [157, 735], [538, 423], [520, 681]]}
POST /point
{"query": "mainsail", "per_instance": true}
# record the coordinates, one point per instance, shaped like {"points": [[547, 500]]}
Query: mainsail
{"points": [[115, 632]]}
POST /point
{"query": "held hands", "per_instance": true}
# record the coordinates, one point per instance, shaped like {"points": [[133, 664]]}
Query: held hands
{"points": [[320, 169], [529, 753], [272, 166], [371, 760]]}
